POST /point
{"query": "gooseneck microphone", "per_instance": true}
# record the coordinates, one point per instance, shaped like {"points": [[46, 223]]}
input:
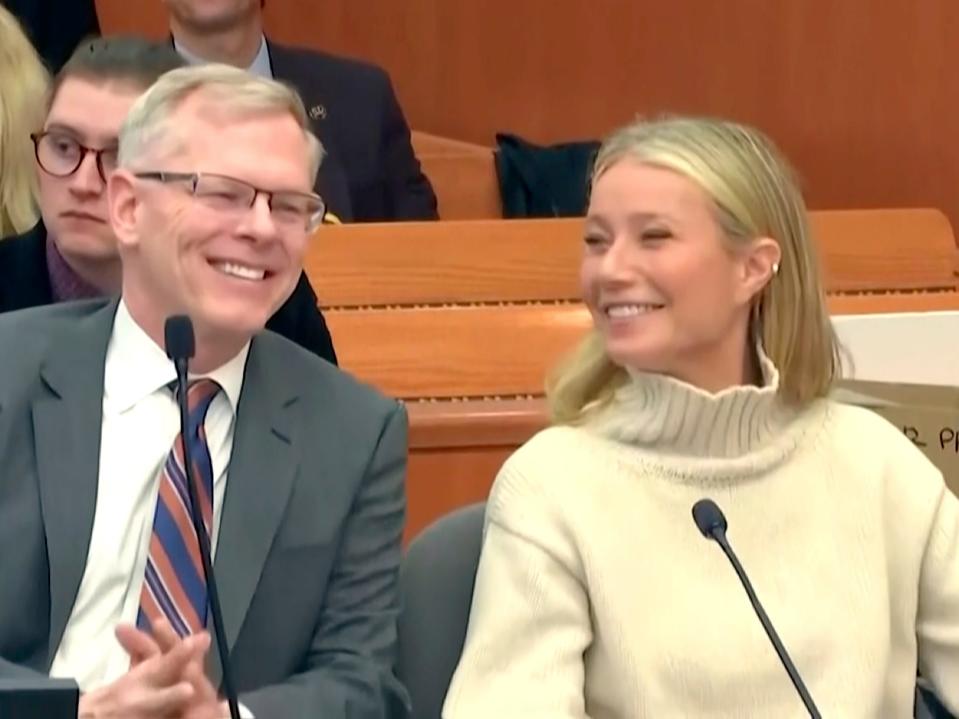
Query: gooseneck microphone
{"points": [[712, 523], [180, 347]]}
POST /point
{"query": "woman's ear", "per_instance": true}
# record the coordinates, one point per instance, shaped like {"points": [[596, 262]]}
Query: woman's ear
{"points": [[760, 263]]}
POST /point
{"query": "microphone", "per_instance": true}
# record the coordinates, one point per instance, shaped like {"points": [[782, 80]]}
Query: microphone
{"points": [[712, 523], [180, 347]]}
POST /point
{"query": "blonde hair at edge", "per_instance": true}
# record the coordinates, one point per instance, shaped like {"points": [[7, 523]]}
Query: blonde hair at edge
{"points": [[230, 91], [755, 195], [24, 83]]}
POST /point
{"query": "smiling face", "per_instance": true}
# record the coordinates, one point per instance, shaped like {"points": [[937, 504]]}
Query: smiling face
{"points": [[229, 269], [666, 290]]}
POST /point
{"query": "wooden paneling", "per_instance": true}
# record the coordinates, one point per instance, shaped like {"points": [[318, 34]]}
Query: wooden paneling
{"points": [[463, 175], [143, 18], [885, 249], [459, 352], [441, 480], [456, 449], [422, 263], [860, 94], [456, 351], [473, 422], [883, 302], [439, 262]]}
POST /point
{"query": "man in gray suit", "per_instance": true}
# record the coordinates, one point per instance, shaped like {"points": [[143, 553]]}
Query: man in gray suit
{"points": [[301, 469]]}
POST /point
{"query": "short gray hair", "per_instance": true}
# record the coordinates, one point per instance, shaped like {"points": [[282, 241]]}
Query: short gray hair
{"points": [[233, 91]]}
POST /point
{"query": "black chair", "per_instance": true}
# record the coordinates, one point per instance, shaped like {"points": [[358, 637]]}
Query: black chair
{"points": [[30, 696], [928, 705], [436, 587]]}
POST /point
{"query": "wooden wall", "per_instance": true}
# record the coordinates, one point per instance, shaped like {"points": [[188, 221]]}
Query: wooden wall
{"points": [[860, 94]]}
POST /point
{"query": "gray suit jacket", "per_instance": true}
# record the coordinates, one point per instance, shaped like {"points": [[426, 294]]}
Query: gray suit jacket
{"points": [[309, 543]]}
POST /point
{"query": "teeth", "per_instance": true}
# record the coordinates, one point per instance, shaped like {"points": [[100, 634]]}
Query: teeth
{"points": [[618, 311], [245, 273]]}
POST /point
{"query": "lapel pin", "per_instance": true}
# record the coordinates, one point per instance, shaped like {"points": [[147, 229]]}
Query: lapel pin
{"points": [[318, 112]]}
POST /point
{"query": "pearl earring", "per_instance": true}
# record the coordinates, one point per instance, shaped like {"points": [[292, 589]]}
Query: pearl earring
{"points": [[775, 268]]}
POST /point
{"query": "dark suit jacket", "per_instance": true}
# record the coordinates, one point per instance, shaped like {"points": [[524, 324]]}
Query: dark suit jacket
{"points": [[56, 27], [310, 533], [25, 282], [370, 172]]}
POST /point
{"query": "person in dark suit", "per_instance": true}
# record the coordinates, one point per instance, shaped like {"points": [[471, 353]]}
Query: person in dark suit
{"points": [[71, 253], [300, 467], [371, 172], [56, 27]]}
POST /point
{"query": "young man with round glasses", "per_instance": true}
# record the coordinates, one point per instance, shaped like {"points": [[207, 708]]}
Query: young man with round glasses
{"points": [[72, 253]]}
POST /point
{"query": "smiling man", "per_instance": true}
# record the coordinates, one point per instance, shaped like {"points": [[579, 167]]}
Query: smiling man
{"points": [[72, 253], [212, 206]]}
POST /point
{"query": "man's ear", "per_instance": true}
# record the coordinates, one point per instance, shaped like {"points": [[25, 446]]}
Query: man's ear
{"points": [[124, 206], [760, 263]]}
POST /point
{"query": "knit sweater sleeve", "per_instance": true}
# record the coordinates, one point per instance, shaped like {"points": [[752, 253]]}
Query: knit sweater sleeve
{"points": [[937, 623], [530, 622]]}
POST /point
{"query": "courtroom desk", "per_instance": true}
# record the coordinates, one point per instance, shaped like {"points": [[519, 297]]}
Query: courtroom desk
{"points": [[453, 443]]}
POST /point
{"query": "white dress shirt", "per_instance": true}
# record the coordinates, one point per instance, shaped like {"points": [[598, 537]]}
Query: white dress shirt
{"points": [[260, 66], [140, 422]]}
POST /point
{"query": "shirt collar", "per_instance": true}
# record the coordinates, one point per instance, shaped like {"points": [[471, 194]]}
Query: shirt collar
{"points": [[65, 283], [260, 65], [136, 366]]}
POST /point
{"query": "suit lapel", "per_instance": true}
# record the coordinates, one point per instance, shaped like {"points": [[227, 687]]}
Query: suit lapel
{"points": [[66, 424], [263, 466], [332, 183]]}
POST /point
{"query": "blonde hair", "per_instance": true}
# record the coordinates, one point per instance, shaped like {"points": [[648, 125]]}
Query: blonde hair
{"points": [[229, 90], [23, 90], [755, 194]]}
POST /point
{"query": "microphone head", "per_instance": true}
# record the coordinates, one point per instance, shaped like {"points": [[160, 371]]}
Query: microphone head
{"points": [[709, 518], [178, 337]]}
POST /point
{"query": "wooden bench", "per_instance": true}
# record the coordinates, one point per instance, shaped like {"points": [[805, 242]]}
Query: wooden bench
{"points": [[889, 250], [462, 320], [463, 176]]}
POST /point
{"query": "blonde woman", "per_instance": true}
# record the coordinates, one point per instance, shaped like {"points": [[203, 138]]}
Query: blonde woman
{"points": [[23, 87], [706, 376]]}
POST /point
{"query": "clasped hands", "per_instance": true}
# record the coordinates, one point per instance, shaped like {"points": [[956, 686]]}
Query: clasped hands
{"points": [[165, 680]]}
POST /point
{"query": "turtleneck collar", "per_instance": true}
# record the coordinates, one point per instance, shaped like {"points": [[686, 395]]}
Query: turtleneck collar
{"points": [[740, 430]]}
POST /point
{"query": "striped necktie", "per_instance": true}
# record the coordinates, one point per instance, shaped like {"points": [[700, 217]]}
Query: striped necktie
{"points": [[173, 585]]}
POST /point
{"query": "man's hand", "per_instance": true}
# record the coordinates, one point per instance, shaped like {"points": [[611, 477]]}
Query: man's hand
{"points": [[204, 704], [157, 685], [141, 646]]}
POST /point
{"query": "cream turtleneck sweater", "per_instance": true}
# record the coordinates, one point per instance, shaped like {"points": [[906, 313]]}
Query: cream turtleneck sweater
{"points": [[598, 597]]}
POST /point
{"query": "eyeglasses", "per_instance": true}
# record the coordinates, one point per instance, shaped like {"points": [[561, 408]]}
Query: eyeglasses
{"points": [[61, 155], [228, 194]]}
